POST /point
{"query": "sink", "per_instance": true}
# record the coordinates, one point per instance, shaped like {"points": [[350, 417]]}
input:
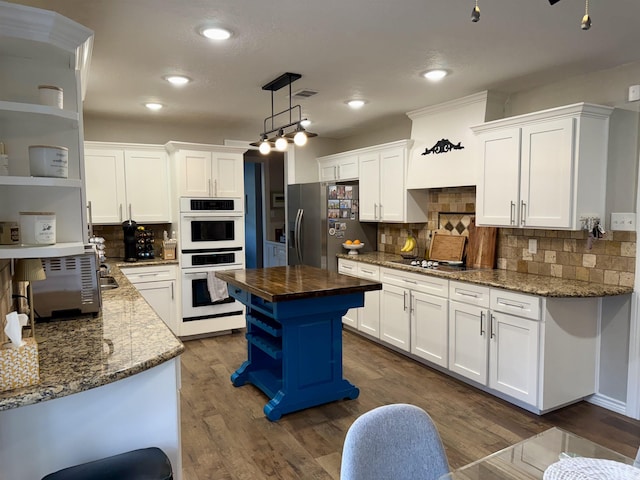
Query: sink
{"points": [[108, 283]]}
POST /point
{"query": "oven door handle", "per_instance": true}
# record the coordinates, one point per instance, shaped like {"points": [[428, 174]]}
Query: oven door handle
{"points": [[226, 216]]}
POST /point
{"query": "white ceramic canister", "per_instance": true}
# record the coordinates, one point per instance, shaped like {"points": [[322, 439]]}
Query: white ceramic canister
{"points": [[37, 228], [51, 95], [49, 161]]}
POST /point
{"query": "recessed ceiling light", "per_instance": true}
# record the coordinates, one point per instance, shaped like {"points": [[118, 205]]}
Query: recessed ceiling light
{"points": [[153, 106], [215, 33], [355, 104], [305, 123], [435, 75], [177, 80]]}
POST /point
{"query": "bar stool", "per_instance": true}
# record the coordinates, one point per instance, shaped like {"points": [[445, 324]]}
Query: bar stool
{"points": [[143, 464]]}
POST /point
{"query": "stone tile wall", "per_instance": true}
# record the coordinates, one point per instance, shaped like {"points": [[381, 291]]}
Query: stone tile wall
{"points": [[610, 260], [114, 239]]}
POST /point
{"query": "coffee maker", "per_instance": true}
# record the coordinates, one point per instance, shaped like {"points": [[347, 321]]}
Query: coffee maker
{"points": [[130, 254]]}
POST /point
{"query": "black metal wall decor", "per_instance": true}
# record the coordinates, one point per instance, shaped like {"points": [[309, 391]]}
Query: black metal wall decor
{"points": [[443, 146]]}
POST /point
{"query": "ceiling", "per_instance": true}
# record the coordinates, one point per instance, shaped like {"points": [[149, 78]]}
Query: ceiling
{"points": [[371, 49]]}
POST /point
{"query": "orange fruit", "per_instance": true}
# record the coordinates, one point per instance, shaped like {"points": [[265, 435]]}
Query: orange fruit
{"points": [[356, 242], [349, 242]]}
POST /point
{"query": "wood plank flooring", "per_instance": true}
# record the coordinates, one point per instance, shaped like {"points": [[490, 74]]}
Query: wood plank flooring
{"points": [[225, 435]]}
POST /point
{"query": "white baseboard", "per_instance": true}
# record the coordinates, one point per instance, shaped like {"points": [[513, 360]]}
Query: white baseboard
{"points": [[608, 403]]}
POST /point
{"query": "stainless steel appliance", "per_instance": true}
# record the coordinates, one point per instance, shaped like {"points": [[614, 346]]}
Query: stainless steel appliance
{"points": [[211, 239], [208, 223], [320, 218], [71, 286]]}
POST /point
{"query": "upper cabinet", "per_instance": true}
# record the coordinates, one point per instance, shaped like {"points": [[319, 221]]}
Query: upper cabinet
{"points": [[207, 170], [543, 170], [383, 196], [40, 47], [118, 186], [339, 167]]}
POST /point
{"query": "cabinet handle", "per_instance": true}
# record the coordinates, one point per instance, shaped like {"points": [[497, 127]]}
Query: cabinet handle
{"points": [[481, 322], [410, 281], [338, 175], [404, 301], [381, 214], [368, 272], [523, 212], [465, 294], [411, 299], [512, 209], [148, 274], [120, 212], [508, 304], [491, 319], [215, 188], [209, 187], [375, 211], [171, 290]]}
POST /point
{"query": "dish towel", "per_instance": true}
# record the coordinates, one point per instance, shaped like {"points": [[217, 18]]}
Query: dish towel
{"points": [[217, 288]]}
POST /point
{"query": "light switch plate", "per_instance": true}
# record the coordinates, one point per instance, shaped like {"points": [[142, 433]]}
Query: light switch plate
{"points": [[623, 222], [533, 245]]}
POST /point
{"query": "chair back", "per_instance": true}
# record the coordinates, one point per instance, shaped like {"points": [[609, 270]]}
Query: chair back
{"points": [[393, 442]]}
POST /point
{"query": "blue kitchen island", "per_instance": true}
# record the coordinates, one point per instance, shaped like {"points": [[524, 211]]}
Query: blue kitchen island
{"points": [[294, 333]]}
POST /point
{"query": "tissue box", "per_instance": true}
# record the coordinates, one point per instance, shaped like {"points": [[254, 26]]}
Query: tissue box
{"points": [[19, 366]]}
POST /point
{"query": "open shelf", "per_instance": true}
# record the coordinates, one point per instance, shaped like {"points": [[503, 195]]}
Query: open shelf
{"points": [[12, 109], [20, 181], [41, 251]]}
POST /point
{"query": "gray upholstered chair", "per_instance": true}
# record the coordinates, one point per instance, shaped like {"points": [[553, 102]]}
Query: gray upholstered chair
{"points": [[393, 442]]}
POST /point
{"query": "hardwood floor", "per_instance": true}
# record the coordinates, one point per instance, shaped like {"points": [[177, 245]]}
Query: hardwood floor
{"points": [[225, 434]]}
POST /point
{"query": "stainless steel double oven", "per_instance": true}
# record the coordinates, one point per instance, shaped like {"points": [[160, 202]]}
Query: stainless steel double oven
{"points": [[211, 239]]}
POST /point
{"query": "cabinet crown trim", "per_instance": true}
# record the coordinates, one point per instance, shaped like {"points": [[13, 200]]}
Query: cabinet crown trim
{"points": [[174, 146], [480, 97], [576, 109], [408, 143]]}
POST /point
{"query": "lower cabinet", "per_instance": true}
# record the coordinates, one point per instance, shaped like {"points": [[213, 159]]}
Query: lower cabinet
{"points": [[275, 254], [365, 319], [157, 285]]}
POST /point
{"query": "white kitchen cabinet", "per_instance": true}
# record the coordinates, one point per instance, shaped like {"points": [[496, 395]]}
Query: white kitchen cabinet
{"points": [[365, 319], [413, 314], [118, 186], [338, 167], [275, 254], [468, 341], [157, 284], [208, 170], [28, 37], [383, 196], [543, 170]]}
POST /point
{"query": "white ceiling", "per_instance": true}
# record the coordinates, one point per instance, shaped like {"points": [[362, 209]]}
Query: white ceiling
{"points": [[372, 49]]}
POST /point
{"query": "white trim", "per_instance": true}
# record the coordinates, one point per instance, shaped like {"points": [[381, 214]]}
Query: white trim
{"points": [[447, 106], [608, 403]]}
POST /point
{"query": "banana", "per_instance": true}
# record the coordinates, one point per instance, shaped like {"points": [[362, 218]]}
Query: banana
{"points": [[409, 244]]}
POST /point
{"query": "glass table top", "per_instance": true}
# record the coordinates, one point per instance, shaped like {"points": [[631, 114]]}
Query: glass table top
{"points": [[527, 460]]}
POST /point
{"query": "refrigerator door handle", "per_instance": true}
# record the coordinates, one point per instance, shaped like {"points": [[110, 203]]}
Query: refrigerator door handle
{"points": [[299, 234]]}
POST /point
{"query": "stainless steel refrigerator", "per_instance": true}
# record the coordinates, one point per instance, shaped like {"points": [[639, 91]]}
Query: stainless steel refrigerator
{"points": [[320, 218]]}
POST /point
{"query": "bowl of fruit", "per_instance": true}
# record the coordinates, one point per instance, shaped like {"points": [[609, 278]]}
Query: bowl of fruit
{"points": [[353, 246]]}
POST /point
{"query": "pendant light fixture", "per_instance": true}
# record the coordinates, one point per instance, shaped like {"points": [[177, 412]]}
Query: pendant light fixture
{"points": [[475, 13], [586, 19], [299, 134]]}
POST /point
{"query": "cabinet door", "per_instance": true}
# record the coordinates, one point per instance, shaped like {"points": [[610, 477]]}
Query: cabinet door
{"points": [[105, 184], [429, 328], [195, 173], [497, 197], [147, 200], [468, 341], [328, 170], [546, 187], [161, 297], [394, 316], [348, 168], [370, 187], [392, 192], [369, 315], [227, 178], [513, 362]]}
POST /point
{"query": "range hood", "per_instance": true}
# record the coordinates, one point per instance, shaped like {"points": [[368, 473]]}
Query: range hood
{"points": [[444, 152]]}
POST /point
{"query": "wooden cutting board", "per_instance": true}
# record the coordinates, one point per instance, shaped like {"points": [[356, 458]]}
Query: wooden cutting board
{"points": [[447, 248], [481, 252]]}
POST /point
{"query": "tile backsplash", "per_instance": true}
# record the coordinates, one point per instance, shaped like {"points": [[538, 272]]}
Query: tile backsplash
{"points": [[565, 254], [114, 239]]}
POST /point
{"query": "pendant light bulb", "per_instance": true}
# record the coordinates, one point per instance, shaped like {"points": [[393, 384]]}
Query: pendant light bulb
{"points": [[264, 147], [300, 138], [475, 13], [281, 142]]}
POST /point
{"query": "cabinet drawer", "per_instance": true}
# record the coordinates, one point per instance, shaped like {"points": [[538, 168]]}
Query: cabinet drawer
{"points": [[347, 267], [415, 281], [519, 304], [370, 272], [469, 293], [149, 274]]}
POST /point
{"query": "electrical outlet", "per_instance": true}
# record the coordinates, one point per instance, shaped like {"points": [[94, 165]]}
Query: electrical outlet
{"points": [[623, 221], [533, 245], [383, 238]]}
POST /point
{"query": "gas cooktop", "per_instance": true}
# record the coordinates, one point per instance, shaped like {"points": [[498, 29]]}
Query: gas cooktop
{"points": [[432, 265]]}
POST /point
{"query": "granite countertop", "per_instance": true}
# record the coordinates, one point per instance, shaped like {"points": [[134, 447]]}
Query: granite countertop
{"points": [[78, 354], [540, 285], [278, 284], [142, 263]]}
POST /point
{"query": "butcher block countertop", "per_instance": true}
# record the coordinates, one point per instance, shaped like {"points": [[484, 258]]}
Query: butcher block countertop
{"points": [[85, 352], [540, 285], [277, 284]]}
